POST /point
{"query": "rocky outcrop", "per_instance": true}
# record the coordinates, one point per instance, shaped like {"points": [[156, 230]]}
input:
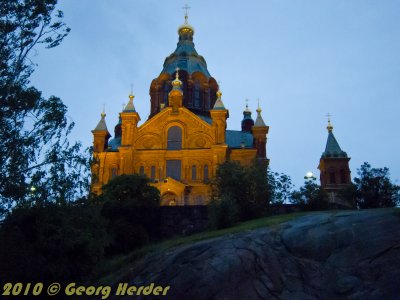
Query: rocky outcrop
{"points": [[333, 255]]}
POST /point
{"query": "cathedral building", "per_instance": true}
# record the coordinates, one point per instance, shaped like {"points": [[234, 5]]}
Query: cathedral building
{"points": [[334, 167], [184, 139]]}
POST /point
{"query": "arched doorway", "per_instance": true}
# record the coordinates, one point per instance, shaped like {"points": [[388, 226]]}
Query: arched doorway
{"points": [[169, 199]]}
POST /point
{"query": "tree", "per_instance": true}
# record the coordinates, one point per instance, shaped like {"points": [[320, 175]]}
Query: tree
{"points": [[281, 187], [310, 196], [373, 188], [239, 193], [131, 208], [37, 162]]}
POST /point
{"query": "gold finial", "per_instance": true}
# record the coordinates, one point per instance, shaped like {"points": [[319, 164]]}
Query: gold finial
{"points": [[186, 8], [177, 83], [219, 93], [247, 105], [131, 94], [329, 127], [103, 113], [258, 110]]}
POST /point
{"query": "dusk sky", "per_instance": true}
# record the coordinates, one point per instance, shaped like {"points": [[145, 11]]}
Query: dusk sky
{"points": [[302, 59]]}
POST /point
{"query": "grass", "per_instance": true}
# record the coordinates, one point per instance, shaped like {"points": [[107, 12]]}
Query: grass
{"points": [[110, 270]]}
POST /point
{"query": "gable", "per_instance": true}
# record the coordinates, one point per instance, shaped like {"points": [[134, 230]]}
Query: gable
{"points": [[196, 133]]}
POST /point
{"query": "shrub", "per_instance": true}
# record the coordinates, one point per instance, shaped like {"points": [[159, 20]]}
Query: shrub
{"points": [[51, 243], [130, 206]]}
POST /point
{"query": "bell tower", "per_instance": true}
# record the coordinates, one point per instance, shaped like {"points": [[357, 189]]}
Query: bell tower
{"points": [[334, 166]]}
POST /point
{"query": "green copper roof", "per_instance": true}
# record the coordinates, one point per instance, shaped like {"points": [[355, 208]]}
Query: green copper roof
{"points": [[332, 148], [114, 144], [235, 138], [185, 57]]}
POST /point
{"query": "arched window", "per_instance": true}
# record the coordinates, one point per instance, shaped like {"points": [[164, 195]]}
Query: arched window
{"points": [[141, 170], [194, 173], [153, 173], [174, 139], [205, 173]]}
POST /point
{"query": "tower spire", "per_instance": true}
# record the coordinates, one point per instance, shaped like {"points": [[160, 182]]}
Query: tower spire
{"points": [[329, 127], [218, 103], [130, 107], [101, 126], [259, 121]]}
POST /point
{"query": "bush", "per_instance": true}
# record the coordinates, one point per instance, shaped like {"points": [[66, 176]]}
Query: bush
{"points": [[239, 193], [310, 196], [223, 213], [130, 206], [51, 243]]}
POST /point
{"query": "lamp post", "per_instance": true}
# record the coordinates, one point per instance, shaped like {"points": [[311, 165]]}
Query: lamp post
{"points": [[310, 176]]}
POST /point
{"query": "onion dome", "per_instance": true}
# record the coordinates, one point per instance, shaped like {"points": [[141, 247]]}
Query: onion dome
{"points": [[118, 129], [185, 56], [247, 121]]}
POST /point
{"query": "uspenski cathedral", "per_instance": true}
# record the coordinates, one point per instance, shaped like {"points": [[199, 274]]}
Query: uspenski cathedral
{"points": [[185, 137]]}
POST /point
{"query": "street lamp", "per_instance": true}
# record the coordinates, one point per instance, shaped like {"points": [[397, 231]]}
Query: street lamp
{"points": [[310, 176]]}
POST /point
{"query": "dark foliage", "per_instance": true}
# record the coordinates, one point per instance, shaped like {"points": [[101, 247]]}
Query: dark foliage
{"points": [[280, 186], [373, 188], [310, 197], [131, 208], [37, 163], [239, 193], [50, 243]]}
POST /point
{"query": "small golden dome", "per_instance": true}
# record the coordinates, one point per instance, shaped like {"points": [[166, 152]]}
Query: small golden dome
{"points": [[186, 28], [176, 83]]}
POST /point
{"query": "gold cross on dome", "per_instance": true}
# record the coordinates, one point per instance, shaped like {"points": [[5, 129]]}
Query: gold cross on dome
{"points": [[328, 115], [131, 88], [186, 8]]}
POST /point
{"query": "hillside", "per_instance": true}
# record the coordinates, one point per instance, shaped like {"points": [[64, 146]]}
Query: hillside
{"points": [[327, 255]]}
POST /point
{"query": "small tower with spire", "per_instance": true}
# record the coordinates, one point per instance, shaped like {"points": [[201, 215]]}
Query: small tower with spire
{"points": [[260, 131], [334, 166], [129, 120], [219, 115], [247, 121], [101, 135]]}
